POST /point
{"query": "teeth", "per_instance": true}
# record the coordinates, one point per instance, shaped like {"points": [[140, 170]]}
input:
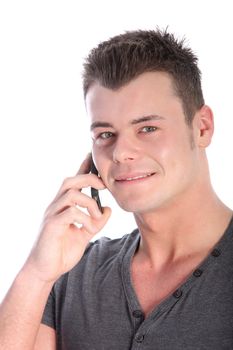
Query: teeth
{"points": [[137, 177]]}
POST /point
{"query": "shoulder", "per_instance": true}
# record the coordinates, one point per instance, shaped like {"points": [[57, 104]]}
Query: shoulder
{"points": [[104, 254], [107, 248], [113, 245]]}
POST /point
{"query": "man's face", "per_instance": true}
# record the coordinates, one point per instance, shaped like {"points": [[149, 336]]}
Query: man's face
{"points": [[144, 150]]}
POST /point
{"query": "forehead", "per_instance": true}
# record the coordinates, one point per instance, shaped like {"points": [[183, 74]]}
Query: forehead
{"points": [[149, 93]]}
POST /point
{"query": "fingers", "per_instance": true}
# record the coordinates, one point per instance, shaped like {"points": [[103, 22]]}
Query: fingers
{"points": [[70, 222], [82, 179], [68, 206], [73, 197], [84, 222], [79, 182], [74, 215]]}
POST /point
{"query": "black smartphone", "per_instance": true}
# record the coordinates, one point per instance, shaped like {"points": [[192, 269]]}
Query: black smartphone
{"points": [[94, 191]]}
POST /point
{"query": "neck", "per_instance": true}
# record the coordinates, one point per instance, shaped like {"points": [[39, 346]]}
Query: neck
{"points": [[191, 225]]}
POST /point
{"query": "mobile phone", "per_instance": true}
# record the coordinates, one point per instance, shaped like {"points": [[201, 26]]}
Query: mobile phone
{"points": [[94, 191]]}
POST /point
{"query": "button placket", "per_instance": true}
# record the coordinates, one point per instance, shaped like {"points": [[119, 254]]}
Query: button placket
{"points": [[139, 338], [216, 253], [138, 314], [197, 273], [178, 294]]}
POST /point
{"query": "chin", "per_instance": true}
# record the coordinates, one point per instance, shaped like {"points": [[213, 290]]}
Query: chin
{"points": [[136, 206]]}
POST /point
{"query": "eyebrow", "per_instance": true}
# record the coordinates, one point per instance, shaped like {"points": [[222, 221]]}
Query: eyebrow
{"points": [[100, 125], [147, 118], [139, 120]]}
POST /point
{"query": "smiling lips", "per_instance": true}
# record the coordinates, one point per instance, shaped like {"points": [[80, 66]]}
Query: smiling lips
{"points": [[135, 177]]}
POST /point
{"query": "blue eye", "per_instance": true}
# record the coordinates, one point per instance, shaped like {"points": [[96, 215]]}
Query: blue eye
{"points": [[147, 129], [105, 135]]}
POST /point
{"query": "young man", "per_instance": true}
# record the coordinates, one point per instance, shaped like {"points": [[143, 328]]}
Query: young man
{"points": [[167, 285]]}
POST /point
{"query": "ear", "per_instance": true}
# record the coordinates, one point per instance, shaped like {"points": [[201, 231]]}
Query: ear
{"points": [[205, 126]]}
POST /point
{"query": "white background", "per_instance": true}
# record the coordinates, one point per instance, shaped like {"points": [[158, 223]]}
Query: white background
{"points": [[43, 125]]}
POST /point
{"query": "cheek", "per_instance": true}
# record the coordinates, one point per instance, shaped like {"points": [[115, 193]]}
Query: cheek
{"points": [[162, 149], [173, 153], [103, 159]]}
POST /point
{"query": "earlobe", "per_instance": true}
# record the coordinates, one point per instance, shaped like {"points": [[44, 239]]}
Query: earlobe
{"points": [[205, 126]]}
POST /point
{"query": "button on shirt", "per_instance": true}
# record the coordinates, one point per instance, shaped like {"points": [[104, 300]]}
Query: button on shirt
{"points": [[94, 306]]}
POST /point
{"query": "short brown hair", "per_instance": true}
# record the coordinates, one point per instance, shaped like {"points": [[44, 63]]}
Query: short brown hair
{"points": [[115, 62]]}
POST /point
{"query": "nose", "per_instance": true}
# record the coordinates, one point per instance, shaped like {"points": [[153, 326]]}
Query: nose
{"points": [[124, 150]]}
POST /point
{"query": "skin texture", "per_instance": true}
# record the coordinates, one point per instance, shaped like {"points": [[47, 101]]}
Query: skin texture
{"points": [[163, 146]]}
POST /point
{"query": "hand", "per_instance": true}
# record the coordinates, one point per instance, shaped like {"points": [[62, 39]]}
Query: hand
{"points": [[66, 229]]}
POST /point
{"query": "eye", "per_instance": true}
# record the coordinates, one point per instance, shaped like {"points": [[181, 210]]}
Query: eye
{"points": [[105, 135], [147, 129]]}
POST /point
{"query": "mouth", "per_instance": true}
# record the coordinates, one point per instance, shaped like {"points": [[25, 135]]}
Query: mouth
{"points": [[133, 178]]}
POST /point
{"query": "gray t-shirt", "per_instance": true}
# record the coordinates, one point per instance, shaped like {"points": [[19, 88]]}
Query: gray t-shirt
{"points": [[94, 306]]}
